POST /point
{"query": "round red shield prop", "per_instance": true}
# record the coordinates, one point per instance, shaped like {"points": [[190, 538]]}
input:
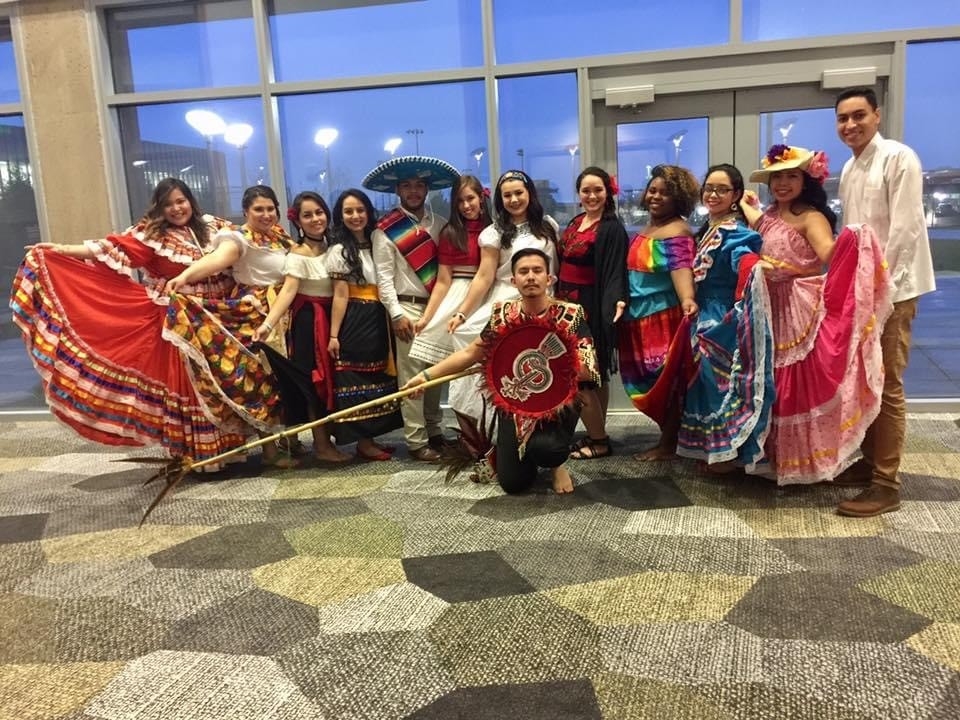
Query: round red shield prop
{"points": [[531, 369]]}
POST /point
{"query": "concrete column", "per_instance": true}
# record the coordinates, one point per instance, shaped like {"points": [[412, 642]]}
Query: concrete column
{"points": [[61, 99]]}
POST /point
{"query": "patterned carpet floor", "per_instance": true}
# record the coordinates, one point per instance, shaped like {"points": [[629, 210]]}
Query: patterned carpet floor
{"points": [[378, 590]]}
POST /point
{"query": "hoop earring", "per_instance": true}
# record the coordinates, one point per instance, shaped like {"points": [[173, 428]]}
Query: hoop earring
{"points": [[734, 206]]}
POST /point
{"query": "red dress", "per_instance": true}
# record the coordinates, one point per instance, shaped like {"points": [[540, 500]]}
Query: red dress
{"points": [[94, 336]]}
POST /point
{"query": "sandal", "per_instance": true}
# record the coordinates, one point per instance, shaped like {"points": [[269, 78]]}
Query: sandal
{"points": [[589, 448], [380, 456]]}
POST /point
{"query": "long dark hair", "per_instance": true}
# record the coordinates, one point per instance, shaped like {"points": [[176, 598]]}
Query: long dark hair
{"points": [[538, 226], [295, 206], [610, 206], [455, 231], [341, 234], [813, 195], [153, 221], [736, 181]]}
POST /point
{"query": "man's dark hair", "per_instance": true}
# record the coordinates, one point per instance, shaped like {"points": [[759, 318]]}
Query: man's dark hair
{"points": [[866, 93], [527, 252]]}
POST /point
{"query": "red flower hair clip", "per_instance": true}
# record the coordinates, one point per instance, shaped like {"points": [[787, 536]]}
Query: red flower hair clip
{"points": [[614, 187], [293, 215]]}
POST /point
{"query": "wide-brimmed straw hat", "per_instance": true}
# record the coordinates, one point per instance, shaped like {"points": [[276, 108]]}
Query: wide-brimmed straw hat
{"points": [[436, 173], [787, 157]]}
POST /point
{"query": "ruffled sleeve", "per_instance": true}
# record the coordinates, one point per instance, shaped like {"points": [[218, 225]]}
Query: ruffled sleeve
{"points": [[336, 263], [228, 234], [489, 237]]}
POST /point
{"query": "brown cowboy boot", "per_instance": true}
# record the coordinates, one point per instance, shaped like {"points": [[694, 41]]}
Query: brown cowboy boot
{"points": [[875, 500]]}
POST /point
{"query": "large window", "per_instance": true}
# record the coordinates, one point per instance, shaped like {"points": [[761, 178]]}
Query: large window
{"points": [[331, 140], [19, 384], [765, 20], [526, 31], [351, 39], [9, 87], [173, 46], [216, 147], [929, 128], [539, 135]]}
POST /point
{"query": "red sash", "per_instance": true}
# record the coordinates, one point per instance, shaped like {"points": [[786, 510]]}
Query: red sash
{"points": [[322, 375]]}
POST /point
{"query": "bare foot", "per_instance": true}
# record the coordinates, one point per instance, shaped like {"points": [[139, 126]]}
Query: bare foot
{"points": [[331, 454], [657, 452], [562, 482]]}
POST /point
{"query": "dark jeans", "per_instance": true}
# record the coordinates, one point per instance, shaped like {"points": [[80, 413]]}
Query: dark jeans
{"points": [[548, 447]]}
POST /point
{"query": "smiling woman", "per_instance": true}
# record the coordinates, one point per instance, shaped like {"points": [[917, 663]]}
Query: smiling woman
{"points": [[111, 375]]}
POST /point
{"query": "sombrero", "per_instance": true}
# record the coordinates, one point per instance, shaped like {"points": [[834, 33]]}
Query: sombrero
{"points": [[436, 173], [787, 157]]}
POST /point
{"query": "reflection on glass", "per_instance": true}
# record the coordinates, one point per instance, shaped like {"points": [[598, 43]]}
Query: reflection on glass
{"points": [[197, 142], [644, 145], [172, 46], [765, 20], [332, 140], [19, 383], [363, 38], [929, 128], [812, 129], [538, 127], [526, 31], [9, 87]]}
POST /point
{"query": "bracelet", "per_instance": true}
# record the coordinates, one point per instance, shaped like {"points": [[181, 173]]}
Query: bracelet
{"points": [[426, 375], [458, 314], [268, 325], [334, 337]]}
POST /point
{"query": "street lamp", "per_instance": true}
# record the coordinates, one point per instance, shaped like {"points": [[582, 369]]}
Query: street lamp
{"points": [[416, 132], [324, 137], [478, 156], [785, 127], [208, 124], [677, 139], [572, 149], [238, 134], [392, 144], [520, 154]]}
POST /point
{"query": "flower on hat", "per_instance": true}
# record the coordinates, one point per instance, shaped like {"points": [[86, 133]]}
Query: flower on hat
{"points": [[819, 167], [778, 154]]}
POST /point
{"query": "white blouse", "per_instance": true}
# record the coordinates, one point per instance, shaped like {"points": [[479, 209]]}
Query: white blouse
{"points": [[312, 273]]}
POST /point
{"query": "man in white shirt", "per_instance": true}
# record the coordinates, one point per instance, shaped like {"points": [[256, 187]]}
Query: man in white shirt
{"points": [[882, 186], [405, 252]]}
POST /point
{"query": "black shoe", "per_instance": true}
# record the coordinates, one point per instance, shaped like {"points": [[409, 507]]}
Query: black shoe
{"points": [[440, 442]]}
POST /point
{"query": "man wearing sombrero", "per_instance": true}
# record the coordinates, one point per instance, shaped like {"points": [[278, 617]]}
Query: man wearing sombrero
{"points": [[405, 252]]}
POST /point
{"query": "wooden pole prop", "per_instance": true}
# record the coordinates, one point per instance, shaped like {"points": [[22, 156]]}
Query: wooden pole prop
{"points": [[176, 469]]}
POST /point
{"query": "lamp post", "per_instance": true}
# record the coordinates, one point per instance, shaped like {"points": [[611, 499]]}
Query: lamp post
{"points": [[238, 134], [416, 132], [392, 144], [208, 124], [478, 156], [785, 127], [324, 137], [573, 149], [677, 140], [520, 154]]}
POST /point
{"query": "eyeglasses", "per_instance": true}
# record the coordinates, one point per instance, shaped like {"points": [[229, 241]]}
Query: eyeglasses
{"points": [[716, 189]]}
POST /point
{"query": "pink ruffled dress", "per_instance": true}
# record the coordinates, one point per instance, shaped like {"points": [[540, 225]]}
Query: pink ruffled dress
{"points": [[827, 361]]}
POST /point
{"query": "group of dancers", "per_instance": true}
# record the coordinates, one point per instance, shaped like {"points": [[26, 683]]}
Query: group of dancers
{"points": [[754, 341]]}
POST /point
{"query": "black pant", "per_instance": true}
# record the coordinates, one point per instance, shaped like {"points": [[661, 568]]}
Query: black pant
{"points": [[548, 447]]}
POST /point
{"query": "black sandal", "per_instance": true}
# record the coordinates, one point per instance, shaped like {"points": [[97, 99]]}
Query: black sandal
{"points": [[591, 444]]}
